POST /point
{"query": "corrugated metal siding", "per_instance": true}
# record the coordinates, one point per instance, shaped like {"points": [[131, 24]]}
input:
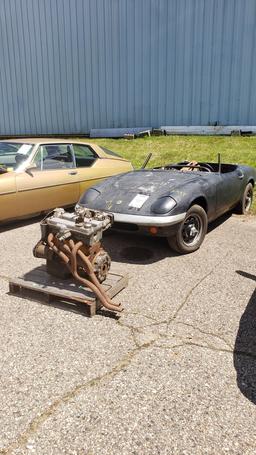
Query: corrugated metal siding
{"points": [[71, 65]]}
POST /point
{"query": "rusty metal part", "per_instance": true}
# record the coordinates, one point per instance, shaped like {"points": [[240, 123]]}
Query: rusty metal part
{"points": [[69, 251], [41, 250], [57, 268], [71, 245], [56, 250], [97, 255], [101, 263], [90, 271]]}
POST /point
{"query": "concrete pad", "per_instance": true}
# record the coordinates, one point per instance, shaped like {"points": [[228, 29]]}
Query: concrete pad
{"points": [[174, 374]]}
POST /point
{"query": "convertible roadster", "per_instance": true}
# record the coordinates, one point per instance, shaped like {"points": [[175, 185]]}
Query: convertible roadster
{"points": [[37, 175], [175, 201]]}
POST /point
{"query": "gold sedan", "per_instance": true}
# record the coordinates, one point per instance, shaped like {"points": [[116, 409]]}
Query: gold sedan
{"points": [[37, 175]]}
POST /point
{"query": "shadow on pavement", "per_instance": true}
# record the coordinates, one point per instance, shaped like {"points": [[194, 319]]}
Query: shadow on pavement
{"points": [[136, 249], [219, 221], [19, 224], [77, 308], [245, 347], [26, 222], [127, 247]]}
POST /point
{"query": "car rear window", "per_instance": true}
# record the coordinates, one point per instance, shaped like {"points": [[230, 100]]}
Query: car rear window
{"points": [[110, 152]]}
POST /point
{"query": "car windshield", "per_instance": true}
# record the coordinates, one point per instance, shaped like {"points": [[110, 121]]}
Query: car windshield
{"points": [[12, 154]]}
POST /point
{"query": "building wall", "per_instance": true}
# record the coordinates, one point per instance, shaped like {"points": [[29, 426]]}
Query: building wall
{"points": [[67, 66]]}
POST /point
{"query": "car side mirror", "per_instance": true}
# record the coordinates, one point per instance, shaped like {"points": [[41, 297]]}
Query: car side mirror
{"points": [[30, 168]]}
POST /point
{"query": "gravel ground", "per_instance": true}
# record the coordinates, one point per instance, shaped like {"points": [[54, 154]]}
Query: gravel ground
{"points": [[175, 374]]}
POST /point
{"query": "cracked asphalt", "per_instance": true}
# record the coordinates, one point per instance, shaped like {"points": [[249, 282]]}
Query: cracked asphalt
{"points": [[175, 374]]}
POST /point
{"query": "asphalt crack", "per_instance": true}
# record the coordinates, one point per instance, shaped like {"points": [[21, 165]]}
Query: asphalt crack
{"points": [[138, 313], [38, 421], [212, 334], [193, 344], [169, 320], [210, 347], [181, 306]]}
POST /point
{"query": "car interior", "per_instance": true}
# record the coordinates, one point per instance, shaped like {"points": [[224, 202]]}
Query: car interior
{"points": [[194, 166]]}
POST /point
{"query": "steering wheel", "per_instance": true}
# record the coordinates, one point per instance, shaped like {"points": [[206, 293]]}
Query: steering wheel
{"points": [[207, 166]]}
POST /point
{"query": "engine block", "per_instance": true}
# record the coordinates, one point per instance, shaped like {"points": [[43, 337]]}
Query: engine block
{"points": [[71, 245], [84, 225]]}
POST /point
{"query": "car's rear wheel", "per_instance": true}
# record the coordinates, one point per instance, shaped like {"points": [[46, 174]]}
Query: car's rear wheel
{"points": [[245, 203], [191, 232]]}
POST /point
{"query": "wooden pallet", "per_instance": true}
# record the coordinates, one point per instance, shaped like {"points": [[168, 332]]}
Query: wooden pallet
{"points": [[40, 286]]}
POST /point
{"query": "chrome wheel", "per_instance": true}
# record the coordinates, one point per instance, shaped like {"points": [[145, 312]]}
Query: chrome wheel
{"points": [[192, 229]]}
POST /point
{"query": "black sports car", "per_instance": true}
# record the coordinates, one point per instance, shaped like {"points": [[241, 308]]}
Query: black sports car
{"points": [[175, 201]]}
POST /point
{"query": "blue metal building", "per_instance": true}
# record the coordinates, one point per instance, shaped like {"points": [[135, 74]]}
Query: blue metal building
{"points": [[67, 66]]}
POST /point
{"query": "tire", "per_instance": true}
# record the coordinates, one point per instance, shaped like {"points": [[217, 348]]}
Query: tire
{"points": [[185, 241], [245, 203]]}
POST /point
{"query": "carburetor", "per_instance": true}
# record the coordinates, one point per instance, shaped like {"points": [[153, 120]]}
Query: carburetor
{"points": [[71, 244]]}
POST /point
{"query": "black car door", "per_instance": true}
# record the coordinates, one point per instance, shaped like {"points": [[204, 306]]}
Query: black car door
{"points": [[229, 190]]}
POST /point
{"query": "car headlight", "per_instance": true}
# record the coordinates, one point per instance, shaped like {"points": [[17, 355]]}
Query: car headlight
{"points": [[163, 205], [89, 196]]}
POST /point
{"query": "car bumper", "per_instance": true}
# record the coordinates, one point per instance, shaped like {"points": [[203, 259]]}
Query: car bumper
{"points": [[140, 220]]}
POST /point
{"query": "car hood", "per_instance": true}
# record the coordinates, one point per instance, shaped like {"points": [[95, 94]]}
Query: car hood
{"points": [[152, 181], [115, 194]]}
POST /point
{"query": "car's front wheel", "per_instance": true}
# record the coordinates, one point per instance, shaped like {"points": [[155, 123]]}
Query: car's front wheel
{"points": [[191, 231]]}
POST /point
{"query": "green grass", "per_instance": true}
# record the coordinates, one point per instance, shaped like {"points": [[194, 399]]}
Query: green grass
{"points": [[168, 149]]}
